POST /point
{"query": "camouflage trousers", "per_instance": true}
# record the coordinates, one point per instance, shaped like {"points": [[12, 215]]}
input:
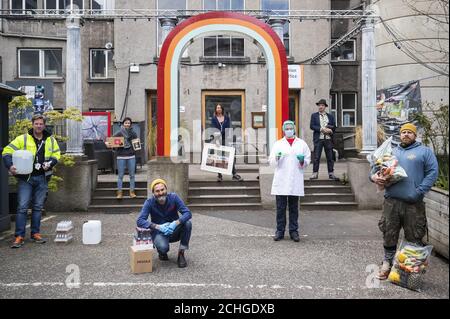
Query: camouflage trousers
{"points": [[397, 215]]}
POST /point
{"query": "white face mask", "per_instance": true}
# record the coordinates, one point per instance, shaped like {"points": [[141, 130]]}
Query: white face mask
{"points": [[289, 133]]}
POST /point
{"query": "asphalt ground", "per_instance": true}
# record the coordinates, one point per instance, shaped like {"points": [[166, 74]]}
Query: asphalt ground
{"points": [[231, 255]]}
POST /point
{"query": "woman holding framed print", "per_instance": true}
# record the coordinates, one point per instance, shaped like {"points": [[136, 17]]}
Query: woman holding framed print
{"points": [[222, 122], [126, 157]]}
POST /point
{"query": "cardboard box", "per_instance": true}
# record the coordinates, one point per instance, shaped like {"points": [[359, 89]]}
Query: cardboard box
{"points": [[115, 141], [141, 260]]}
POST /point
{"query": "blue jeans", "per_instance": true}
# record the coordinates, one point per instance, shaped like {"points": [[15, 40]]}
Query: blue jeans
{"points": [[182, 233], [131, 165], [282, 203], [33, 191]]}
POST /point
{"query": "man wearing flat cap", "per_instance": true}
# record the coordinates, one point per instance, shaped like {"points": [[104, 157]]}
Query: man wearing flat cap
{"points": [[323, 125], [166, 225], [403, 205]]}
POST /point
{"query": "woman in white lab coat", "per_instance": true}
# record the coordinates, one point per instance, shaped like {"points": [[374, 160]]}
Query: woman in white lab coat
{"points": [[290, 155]]}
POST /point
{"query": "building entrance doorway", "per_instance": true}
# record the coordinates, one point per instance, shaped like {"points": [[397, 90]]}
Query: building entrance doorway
{"points": [[233, 103]]}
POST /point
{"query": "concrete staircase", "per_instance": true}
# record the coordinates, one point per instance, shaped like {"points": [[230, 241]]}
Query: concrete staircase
{"points": [[104, 199], [323, 194], [208, 194]]}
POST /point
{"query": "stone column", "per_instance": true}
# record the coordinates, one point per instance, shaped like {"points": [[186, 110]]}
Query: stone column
{"points": [[167, 24], [278, 26], [368, 88], [73, 84]]}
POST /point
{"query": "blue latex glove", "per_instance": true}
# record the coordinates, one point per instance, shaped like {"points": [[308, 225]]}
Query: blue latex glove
{"points": [[172, 226], [164, 228]]}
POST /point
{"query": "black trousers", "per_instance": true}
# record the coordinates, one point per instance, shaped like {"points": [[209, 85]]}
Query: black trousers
{"points": [[328, 146]]}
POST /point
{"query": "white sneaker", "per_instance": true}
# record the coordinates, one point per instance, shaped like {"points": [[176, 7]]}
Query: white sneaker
{"points": [[314, 176]]}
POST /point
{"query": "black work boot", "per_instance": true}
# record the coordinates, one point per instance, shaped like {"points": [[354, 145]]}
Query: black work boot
{"points": [[295, 237], [181, 261], [163, 256]]}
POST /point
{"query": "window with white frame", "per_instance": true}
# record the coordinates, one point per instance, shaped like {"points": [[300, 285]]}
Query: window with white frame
{"points": [[282, 6], [348, 109], [346, 52], [223, 46], [101, 64], [22, 5], [100, 5], [333, 106], [40, 63], [223, 4], [62, 4]]}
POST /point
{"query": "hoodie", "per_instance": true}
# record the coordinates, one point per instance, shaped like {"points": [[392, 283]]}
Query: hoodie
{"points": [[421, 166]]}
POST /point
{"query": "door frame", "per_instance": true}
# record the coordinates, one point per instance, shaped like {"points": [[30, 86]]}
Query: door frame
{"points": [[224, 92], [295, 95], [150, 94]]}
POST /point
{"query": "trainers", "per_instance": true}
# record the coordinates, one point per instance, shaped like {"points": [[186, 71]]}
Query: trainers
{"points": [[238, 178], [181, 261], [295, 237], [384, 271], [18, 242], [314, 176], [119, 195], [163, 256], [132, 194], [332, 177], [37, 238], [219, 177]]}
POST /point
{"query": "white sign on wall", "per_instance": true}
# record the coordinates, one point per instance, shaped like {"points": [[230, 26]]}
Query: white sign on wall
{"points": [[295, 76]]}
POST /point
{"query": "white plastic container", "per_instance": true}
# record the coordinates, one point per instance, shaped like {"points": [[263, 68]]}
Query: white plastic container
{"points": [[92, 232], [23, 161]]}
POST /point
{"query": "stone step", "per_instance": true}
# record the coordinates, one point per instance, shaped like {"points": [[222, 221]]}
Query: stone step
{"points": [[112, 200], [329, 206], [113, 184], [320, 197], [100, 192], [225, 206], [235, 199], [340, 189], [211, 183], [230, 190], [322, 182], [115, 209]]}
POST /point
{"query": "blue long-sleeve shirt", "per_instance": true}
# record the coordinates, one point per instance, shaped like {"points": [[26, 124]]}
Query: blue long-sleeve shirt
{"points": [[160, 214], [421, 166]]}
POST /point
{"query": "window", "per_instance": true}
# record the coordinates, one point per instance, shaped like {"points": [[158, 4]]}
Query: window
{"points": [[345, 52], [279, 5], [42, 63], [100, 5], [333, 106], [223, 4], [101, 64], [62, 4], [223, 46], [23, 5], [348, 104]]}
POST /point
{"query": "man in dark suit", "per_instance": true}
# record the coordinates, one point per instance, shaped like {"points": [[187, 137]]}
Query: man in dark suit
{"points": [[323, 125]]}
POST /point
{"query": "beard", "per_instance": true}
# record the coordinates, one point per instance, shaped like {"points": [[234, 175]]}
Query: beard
{"points": [[161, 198], [405, 142]]}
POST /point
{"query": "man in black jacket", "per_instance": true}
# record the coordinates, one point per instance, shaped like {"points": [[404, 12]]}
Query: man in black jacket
{"points": [[323, 125]]}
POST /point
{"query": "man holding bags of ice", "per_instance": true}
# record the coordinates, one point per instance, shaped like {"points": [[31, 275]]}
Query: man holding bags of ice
{"points": [[403, 205], [290, 155]]}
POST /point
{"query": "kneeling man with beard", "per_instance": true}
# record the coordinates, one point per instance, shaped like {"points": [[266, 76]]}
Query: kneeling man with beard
{"points": [[166, 225]]}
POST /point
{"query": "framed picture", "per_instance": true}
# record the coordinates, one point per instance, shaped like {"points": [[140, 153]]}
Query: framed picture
{"points": [[217, 158], [136, 143], [96, 125], [258, 119]]}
